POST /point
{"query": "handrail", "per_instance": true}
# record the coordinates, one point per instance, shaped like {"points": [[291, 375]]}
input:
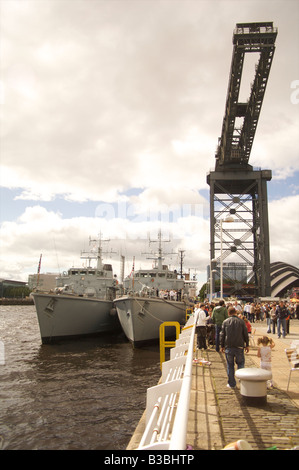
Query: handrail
{"points": [[179, 431], [167, 405]]}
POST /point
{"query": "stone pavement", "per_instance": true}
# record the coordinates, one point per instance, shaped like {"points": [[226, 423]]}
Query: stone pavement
{"points": [[219, 416]]}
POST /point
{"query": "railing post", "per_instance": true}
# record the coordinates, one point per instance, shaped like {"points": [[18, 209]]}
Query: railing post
{"points": [[189, 312], [167, 344]]}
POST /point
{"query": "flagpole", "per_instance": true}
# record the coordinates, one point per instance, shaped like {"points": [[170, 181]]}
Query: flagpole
{"points": [[133, 273], [38, 270]]}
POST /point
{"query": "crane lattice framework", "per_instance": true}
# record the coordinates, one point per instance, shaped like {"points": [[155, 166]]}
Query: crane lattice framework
{"points": [[236, 189]]}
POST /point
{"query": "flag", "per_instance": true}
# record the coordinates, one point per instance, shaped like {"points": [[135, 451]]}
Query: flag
{"points": [[39, 264]]}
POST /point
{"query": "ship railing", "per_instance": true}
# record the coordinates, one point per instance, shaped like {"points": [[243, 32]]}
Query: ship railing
{"points": [[167, 404]]}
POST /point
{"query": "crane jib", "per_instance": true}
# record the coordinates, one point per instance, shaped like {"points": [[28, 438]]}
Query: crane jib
{"points": [[236, 141]]}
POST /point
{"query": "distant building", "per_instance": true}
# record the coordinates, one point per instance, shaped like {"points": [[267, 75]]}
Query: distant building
{"points": [[284, 278], [8, 287], [44, 282], [233, 271]]}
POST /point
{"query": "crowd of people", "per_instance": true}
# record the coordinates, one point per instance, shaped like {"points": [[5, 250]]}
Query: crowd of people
{"points": [[227, 327], [278, 316]]}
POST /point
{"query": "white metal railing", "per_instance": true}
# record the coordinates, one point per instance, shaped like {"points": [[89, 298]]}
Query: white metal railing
{"points": [[167, 404]]}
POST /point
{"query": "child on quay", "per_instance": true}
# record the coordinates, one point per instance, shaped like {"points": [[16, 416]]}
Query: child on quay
{"points": [[264, 352], [248, 324]]}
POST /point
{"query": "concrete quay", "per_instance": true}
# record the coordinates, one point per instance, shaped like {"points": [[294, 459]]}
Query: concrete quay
{"points": [[218, 415]]}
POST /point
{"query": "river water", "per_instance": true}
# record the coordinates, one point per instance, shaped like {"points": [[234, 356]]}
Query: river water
{"points": [[82, 394]]}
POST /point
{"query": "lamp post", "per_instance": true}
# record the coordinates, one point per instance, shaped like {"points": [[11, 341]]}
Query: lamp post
{"points": [[227, 219], [211, 279]]}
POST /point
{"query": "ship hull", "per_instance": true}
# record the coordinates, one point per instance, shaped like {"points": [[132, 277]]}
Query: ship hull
{"points": [[63, 316], [140, 317]]}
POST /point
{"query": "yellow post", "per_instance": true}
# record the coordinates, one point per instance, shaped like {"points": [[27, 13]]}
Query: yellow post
{"points": [[167, 344], [189, 312]]}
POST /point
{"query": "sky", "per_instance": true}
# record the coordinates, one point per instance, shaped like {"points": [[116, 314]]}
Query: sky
{"points": [[110, 116]]}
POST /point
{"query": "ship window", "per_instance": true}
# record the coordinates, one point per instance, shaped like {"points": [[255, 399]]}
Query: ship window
{"points": [[161, 274], [107, 267], [153, 274]]}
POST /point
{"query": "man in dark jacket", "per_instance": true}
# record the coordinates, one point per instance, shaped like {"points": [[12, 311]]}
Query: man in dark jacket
{"points": [[233, 339], [281, 314], [218, 316]]}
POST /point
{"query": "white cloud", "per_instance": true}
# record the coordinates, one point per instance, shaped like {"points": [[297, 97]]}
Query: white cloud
{"points": [[61, 240], [105, 97], [284, 230], [180, 199], [276, 146]]}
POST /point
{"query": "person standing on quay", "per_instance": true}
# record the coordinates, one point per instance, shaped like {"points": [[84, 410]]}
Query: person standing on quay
{"points": [[233, 339], [218, 316], [201, 329], [281, 313]]}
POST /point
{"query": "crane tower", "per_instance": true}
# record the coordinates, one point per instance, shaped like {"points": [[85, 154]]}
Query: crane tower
{"points": [[238, 192]]}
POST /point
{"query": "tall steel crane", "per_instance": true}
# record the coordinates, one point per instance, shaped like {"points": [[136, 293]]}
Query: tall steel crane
{"points": [[235, 143], [236, 189]]}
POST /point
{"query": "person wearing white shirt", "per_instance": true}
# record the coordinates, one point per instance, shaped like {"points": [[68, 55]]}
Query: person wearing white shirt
{"points": [[247, 310], [238, 307], [201, 329]]}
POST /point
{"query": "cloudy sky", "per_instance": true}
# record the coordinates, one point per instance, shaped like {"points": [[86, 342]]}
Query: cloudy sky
{"points": [[110, 116]]}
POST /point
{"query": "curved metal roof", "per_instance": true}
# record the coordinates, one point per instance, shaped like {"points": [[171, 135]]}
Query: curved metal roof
{"points": [[283, 276]]}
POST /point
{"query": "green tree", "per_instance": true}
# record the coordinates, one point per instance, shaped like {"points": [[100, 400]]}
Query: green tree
{"points": [[16, 292]]}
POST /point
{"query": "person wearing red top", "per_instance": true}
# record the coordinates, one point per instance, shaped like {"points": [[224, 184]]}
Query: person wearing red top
{"points": [[248, 324]]}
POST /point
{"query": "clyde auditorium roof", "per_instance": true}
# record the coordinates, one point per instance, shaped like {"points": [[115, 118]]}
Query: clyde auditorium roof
{"points": [[283, 277]]}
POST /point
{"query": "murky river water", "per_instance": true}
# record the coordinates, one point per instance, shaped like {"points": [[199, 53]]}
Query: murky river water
{"points": [[83, 394]]}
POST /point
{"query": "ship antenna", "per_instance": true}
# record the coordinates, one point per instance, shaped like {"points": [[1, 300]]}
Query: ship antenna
{"points": [[98, 256], [159, 257]]}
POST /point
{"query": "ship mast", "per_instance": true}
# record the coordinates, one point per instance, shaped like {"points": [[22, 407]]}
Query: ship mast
{"points": [[98, 255], [159, 256]]}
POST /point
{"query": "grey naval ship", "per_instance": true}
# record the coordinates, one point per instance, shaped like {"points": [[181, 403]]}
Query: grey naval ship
{"points": [[81, 304], [152, 296]]}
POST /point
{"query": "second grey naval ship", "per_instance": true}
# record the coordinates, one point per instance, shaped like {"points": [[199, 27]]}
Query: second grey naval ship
{"points": [[152, 296]]}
